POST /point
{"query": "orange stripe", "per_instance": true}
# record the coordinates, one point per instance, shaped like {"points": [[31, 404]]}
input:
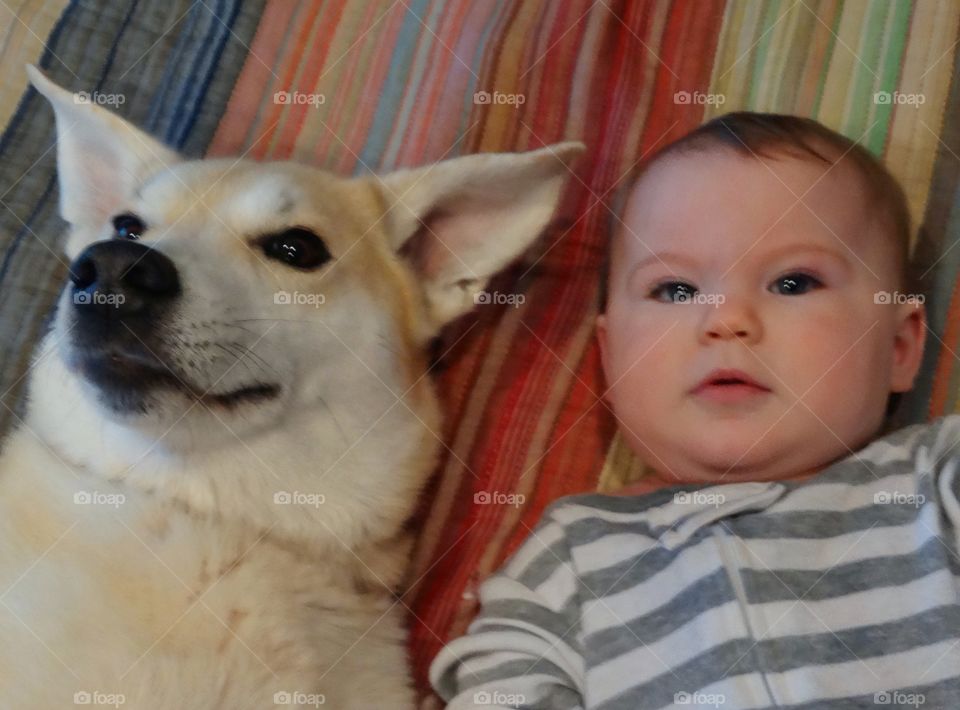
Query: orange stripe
{"points": [[311, 69], [252, 85], [274, 112], [348, 97]]}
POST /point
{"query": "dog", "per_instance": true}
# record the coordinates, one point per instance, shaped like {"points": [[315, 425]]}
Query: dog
{"points": [[230, 419]]}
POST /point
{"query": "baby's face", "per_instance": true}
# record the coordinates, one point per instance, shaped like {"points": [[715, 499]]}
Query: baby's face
{"points": [[779, 287]]}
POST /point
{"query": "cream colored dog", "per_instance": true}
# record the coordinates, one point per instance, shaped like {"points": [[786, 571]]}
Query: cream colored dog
{"points": [[229, 420]]}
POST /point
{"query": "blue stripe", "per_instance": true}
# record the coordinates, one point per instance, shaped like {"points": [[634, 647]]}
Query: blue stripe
{"points": [[392, 93], [184, 100], [209, 72], [418, 73], [167, 107], [160, 108], [112, 52]]}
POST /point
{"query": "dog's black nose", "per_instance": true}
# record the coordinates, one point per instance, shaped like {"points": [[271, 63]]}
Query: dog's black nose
{"points": [[120, 277]]}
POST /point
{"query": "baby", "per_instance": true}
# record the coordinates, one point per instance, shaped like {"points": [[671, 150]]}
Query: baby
{"points": [[784, 548]]}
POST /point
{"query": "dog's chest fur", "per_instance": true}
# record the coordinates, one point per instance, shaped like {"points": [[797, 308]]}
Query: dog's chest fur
{"points": [[173, 610]]}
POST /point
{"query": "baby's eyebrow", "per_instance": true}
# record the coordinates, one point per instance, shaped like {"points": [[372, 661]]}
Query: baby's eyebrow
{"points": [[688, 260], [663, 257]]}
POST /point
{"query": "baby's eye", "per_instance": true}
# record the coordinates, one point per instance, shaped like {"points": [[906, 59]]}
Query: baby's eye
{"points": [[796, 283], [673, 292]]}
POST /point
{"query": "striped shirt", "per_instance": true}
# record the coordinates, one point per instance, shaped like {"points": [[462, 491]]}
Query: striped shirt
{"points": [[839, 591]]}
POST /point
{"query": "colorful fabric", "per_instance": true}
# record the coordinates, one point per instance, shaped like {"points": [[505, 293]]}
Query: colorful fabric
{"points": [[413, 81], [838, 591]]}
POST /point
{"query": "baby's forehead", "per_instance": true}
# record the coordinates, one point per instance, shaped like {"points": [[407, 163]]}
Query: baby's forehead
{"points": [[709, 200], [706, 178]]}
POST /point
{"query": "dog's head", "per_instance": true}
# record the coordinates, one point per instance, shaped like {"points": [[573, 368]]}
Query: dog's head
{"points": [[249, 293]]}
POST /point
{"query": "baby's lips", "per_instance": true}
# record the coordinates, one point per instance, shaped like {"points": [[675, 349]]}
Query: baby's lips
{"points": [[731, 375]]}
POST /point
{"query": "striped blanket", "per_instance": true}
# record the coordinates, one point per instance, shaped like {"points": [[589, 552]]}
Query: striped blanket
{"points": [[407, 82]]}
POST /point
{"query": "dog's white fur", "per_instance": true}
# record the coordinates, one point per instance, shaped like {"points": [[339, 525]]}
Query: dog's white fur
{"points": [[197, 589]]}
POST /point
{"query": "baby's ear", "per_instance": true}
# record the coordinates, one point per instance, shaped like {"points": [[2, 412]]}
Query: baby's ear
{"points": [[101, 159], [460, 221], [908, 345], [600, 328]]}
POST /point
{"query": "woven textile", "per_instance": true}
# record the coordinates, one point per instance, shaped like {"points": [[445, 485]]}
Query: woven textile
{"points": [[414, 81]]}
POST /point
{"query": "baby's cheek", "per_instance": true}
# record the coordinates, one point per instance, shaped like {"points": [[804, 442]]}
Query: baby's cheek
{"points": [[645, 369], [831, 351], [637, 345]]}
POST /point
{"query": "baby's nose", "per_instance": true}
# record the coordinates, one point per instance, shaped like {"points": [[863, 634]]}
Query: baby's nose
{"points": [[729, 319]]}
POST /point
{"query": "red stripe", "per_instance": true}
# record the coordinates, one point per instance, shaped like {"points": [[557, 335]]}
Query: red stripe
{"points": [[252, 85], [429, 102], [284, 82], [296, 114]]}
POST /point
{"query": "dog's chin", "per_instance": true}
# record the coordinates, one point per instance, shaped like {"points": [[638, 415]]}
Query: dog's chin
{"points": [[130, 387]]}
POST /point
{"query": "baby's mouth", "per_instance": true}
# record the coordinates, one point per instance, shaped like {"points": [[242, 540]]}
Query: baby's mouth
{"points": [[729, 386]]}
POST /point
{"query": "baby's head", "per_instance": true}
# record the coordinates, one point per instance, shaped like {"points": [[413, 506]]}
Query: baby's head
{"points": [[765, 244]]}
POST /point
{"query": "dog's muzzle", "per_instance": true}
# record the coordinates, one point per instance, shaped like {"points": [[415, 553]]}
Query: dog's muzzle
{"points": [[121, 293]]}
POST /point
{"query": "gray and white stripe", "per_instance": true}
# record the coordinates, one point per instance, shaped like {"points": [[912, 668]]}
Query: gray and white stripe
{"points": [[828, 592]]}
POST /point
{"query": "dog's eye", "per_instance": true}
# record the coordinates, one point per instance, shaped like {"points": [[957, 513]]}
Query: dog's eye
{"points": [[298, 247], [128, 226]]}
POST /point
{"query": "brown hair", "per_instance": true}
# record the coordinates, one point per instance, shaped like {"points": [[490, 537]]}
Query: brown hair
{"points": [[769, 135]]}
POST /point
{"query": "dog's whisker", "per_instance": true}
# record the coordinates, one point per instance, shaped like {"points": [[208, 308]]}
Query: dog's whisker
{"points": [[228, 324], [336, 421], [387, 345], [273, 320], [243, 356], [260, 360]]}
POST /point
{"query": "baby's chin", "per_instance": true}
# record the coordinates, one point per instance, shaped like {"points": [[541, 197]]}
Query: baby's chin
{"points": [[723, 457]]}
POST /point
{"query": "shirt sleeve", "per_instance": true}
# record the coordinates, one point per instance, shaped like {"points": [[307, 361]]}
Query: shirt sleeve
{"points": [[523, 650]]}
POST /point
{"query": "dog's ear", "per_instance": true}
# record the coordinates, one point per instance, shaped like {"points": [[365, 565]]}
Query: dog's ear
{"points": [[101, 159], [460, 221]]}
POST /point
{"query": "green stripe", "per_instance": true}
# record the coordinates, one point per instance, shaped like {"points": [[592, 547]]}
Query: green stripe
{"points": [[831, 48], [773, 10], [864, 78], [892, 59]]}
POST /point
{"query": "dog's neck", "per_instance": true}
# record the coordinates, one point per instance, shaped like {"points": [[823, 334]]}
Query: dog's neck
{"points": [[314, 476]]}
